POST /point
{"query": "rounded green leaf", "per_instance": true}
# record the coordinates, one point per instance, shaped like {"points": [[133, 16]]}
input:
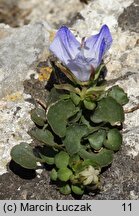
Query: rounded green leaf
{"points": [[44, 136], [108, 110], [53, 175], [77, 190], [58, 115], [65, 189], [90, 105], [103, 158], [118, 94], [114, 140], [38, 116], [64, 174], [96, 139], [74, 133], [75, 98], [61, 159], [23, 155]]}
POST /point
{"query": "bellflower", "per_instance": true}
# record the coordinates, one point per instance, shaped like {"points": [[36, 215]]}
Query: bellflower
{"points": [[81, 58]]}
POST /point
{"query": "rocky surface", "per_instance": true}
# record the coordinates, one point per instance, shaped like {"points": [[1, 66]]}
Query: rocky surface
{"points": [[120, 181], [18, 13], [14, 124], [19, 52], [129, 19]]}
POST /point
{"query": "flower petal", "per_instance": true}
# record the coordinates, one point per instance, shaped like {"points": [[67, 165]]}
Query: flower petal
{"points": [[65, 46], [97, 45], [80, 67]]}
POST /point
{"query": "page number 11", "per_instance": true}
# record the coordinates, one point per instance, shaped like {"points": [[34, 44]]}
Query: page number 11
{"points": [[127, 207]]}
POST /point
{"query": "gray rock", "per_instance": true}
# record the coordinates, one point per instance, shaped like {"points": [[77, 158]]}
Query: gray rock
{"points": [[14, 124], [5, 31], [55, 12], [18, 13], [18, 53], [129, 19]]}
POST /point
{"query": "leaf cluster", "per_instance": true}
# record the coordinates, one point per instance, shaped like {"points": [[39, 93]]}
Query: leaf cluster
{"points": [[81, 131]]}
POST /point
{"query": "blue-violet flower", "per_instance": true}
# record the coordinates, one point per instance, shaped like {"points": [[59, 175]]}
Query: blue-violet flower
{"points": [[82, 59]]}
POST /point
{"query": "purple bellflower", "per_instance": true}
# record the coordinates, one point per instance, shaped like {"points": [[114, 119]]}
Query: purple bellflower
{"points": [[81, 58]]}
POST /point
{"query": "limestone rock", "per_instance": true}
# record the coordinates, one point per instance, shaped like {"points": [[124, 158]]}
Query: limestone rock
{"points": [[5, 31], [18, 13], [55, 12], [18, 53], [14, 125], [129, 19]]}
